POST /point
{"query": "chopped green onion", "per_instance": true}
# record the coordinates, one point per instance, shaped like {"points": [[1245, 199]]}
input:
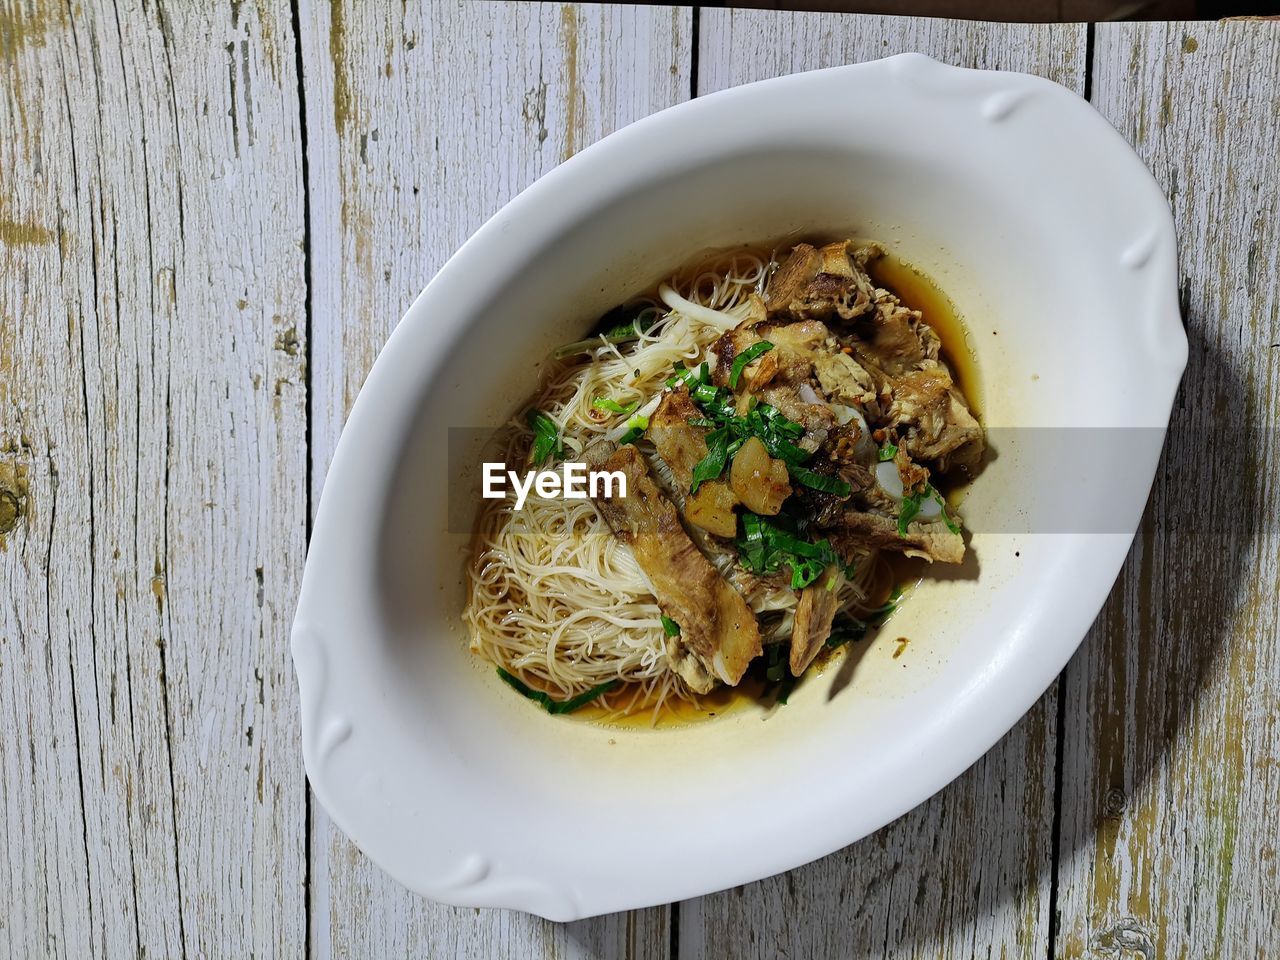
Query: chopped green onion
{"points": [[745, 357], [850, 630], [546, 437], [888, 452], [764, 547], [719, 410], [670, 627], [636, 427], [773, 414], [784, 450], [630, 329], [879, 613], [819, 481], [910, 507], [629, 322], [705, 394], [805, 570], [689, 376], [752, 551], [777, 672], [613, 406], [952, 524], [556, 706], [712, 465], [776, 668], [682, 377]]}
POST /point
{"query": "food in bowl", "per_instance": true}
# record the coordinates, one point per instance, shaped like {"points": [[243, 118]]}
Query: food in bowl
{"points": [[776, 433]]}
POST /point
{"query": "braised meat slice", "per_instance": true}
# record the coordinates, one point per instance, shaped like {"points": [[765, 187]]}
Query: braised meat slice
{"points": [[892, 339], [718, 636], [795, 348], [816, 283], [815, 612], [930, 539], [843, 379], [682, 446], [936, 424]]}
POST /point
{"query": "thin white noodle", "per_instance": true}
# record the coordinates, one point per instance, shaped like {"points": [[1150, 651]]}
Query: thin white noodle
{"points": [[713, 318]]}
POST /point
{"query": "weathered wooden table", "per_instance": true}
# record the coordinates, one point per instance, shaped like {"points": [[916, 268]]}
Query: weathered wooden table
{"points": [[212, 216]]}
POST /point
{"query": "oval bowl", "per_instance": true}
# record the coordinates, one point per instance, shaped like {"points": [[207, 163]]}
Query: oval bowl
{"points": [[1055, 244]]}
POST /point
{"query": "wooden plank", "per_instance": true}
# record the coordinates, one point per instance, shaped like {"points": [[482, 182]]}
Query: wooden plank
{"points": [[152, 515], [422, 121], [967, 873], [1026, 11], [1171, 776]]}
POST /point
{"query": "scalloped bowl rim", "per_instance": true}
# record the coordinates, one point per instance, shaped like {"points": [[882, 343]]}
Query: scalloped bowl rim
{"points": [[331, 658]]}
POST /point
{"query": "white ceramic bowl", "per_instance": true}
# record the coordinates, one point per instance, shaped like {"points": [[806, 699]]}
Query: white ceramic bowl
{"points": [[1057, 246]]}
